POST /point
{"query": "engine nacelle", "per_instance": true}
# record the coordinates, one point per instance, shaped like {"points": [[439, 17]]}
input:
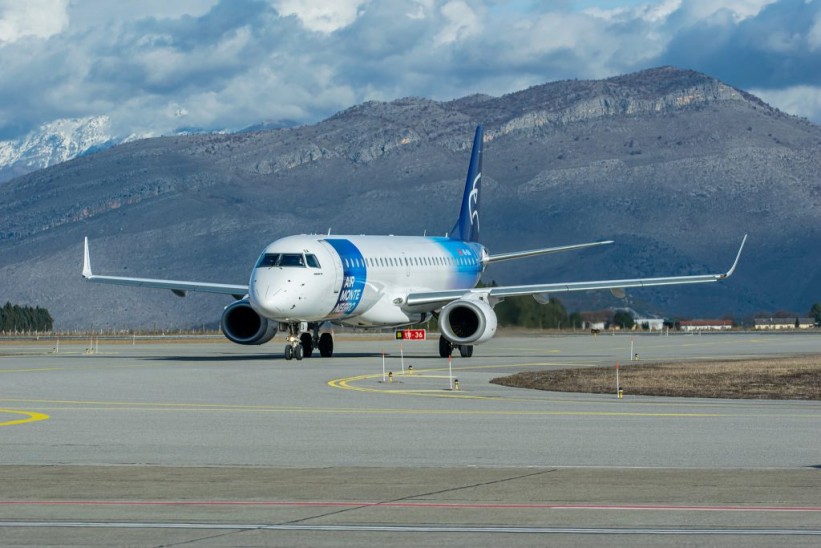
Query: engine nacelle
{"points": [[467, 321], [242, 325]]}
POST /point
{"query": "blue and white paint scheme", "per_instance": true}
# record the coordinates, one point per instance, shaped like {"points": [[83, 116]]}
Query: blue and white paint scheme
{"points": [[302, 283]]}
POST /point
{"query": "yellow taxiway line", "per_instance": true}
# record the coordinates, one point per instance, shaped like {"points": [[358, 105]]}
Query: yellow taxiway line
{"points": [[31, 416]]}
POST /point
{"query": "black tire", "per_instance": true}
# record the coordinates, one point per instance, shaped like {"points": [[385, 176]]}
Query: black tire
{"points": [[445, 347], [289, 352], [326, 345], [307, 344], [466, 350], [298, 352]]}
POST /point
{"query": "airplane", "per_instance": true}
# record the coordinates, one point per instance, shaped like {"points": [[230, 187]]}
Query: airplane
{"points": [[304, 283]]}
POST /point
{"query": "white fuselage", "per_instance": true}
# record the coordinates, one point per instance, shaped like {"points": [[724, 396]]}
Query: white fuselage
{"points": [[358, 280]]}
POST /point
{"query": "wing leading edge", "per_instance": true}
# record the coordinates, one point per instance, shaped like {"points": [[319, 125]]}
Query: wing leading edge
{"points": [[544, 251], [178, 287], [440, 298]]}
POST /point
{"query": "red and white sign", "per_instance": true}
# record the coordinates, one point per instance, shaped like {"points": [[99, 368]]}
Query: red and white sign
{"points": [[411, 334]]}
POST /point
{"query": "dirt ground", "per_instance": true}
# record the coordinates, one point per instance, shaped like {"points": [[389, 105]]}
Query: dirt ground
{"points": [[792, 378]]}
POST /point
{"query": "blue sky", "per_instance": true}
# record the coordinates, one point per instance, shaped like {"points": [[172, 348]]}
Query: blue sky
{"points": [[153, 66]]}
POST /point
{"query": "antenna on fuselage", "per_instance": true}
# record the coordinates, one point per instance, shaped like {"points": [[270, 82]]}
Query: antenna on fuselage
{"points": [[329, 231]]}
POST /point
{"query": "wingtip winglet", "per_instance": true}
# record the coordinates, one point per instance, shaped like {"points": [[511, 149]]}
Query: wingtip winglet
{"points": [[86, 260], [737, 257]]}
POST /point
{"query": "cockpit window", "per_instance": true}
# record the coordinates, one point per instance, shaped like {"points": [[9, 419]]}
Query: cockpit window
{"points": [[268, 260], [292, 259], [312, 261]]}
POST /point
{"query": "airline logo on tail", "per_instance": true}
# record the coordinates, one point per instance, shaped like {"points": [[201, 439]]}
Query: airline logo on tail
{"points": [[473, 203]]}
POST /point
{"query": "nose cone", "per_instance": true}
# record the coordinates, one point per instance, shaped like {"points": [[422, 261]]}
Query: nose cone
{"points": [[262, 291], [276, 293]]}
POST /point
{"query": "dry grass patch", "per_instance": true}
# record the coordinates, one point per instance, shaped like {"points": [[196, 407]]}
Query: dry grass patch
{"points": [[793, 378]]}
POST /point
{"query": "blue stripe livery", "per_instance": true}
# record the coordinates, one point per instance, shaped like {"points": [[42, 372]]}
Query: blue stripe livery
{"points": [[467, 260], [354, 276]]}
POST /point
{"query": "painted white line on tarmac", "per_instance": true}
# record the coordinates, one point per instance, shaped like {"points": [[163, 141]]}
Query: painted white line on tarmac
{"points": [[414, 528]]}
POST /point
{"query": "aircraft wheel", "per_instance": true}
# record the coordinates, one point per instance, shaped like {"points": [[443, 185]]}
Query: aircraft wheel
{"points": [[466, 350], [326, 345], [298, 352], [289, 352], [445, 347], [307, 344]]}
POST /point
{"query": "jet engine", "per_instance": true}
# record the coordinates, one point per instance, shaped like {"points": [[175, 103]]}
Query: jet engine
{"points": [[469, 320], [242, 325]]}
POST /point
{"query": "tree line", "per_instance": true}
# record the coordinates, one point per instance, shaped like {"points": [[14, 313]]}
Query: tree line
{"points": [[526, 312], [15, 319]]}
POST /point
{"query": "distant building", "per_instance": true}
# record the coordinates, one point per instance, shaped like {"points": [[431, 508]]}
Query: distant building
{"points": [[784, 323], [651, 324], [706, 325]]}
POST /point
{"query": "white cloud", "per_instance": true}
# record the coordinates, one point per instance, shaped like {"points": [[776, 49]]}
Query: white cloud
{"points": [[738, 9], [226, 64], [94, 13], [804, 101], [38, 18], [322, 15], [553, 31], [461, 22], [648, 12], [419, 9], [814, 36]]}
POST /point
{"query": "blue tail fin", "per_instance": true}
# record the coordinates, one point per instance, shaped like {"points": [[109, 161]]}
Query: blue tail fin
{"points": [[467, 227]]}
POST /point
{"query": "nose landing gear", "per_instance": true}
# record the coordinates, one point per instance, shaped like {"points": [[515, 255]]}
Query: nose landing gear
{"points": [[302, 343], [293, 348]]}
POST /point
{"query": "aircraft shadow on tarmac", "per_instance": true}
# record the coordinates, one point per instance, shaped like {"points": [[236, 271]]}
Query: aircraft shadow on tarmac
{"points": [[369, 355], [214, 358], [278, 358]]}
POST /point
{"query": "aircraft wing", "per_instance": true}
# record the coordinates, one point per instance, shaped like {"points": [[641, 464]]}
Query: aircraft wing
{"points": [[178, 287], [544, 251], [440, 298]]}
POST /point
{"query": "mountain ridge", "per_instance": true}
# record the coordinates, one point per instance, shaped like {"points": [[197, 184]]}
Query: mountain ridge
{"points": [[673, 164]]}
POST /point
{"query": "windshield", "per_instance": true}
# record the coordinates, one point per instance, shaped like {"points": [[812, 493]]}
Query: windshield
{"points": [[291, 259], [269, 260]]}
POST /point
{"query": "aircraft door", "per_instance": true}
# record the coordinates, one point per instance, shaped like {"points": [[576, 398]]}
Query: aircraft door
{"points": [[337, 266], [407, 262]]}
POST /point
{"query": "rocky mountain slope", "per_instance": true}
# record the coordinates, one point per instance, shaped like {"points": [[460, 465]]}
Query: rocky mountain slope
{"points": [[673, 165], [53, 143]]}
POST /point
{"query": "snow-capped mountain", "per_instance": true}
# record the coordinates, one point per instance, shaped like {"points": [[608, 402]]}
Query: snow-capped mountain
{"points": [[67, 138], [53, 143]]}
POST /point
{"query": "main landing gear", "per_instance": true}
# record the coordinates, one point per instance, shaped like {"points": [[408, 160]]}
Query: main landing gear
{"points": [[302, 345], [446, 348]]}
